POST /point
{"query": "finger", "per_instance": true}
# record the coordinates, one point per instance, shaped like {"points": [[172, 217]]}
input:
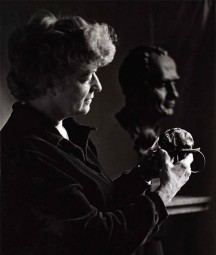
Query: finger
{"points": [[164, 155], [185, 164], [187, 160], [165, 159]]}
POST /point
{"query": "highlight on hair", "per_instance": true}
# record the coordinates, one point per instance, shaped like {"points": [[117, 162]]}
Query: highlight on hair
{"points": [[47, 48]]}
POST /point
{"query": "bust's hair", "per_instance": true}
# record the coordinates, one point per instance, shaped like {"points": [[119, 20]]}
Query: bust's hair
{"points": [[47, 48], [138, 68]]}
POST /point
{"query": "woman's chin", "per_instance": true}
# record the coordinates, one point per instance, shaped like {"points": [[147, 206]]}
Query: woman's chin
{"points": [[84, 110]]}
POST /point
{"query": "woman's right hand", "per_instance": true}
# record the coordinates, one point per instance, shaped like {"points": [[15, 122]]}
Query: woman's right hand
{"points": [[173, 177]]}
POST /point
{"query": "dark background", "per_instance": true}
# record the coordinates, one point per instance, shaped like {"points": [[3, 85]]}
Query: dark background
{"points": [[187, 30]]}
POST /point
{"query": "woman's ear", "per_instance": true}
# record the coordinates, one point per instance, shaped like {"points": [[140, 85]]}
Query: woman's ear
{"points": [[53, 86]]}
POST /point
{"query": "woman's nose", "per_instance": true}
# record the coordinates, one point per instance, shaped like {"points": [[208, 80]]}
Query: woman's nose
{"points": [[96, 85]]}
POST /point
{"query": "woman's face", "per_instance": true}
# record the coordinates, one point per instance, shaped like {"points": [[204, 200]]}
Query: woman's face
{"points": [[77, 95]]}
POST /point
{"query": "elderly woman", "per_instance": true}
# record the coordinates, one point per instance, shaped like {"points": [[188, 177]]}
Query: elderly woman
{"points": [[56, 197]]}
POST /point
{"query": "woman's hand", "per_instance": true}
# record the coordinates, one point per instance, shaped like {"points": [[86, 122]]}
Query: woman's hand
{"points": [[173, 177]]}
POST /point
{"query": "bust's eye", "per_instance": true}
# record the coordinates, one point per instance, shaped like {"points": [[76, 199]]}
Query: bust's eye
{"points": [[160, 85], [165, 84]]}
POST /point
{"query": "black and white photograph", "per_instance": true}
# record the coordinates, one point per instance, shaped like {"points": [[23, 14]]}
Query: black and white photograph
{"points": [[108, 127]]}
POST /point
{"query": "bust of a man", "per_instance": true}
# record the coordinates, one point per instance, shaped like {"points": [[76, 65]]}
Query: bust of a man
{"points": [[148, 78]]}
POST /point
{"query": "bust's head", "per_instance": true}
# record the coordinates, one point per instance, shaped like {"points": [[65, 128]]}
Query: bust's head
{"points": [[148, 76]]}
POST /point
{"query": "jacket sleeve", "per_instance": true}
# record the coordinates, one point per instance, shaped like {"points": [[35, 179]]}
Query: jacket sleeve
{"points": [[64, 215], [132, 184]]}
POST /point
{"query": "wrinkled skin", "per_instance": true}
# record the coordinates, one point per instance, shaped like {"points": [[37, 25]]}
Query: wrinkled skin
{"points": [[173, 177]]}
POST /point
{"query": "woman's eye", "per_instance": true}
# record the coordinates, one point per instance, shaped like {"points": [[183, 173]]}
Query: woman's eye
{"points": [[86, 78]]}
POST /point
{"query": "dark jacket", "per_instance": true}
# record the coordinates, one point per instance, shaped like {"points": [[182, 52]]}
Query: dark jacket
{"points": [[56, 198]]}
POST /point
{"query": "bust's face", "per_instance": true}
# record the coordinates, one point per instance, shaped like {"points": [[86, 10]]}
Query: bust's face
{"points": [[163, 86]]}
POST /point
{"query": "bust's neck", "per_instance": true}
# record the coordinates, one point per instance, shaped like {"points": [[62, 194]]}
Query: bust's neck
{"points": [[148, 119]]}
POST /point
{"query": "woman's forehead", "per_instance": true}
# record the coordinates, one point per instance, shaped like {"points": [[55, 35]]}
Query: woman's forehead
{"points": [[84, 70]]}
